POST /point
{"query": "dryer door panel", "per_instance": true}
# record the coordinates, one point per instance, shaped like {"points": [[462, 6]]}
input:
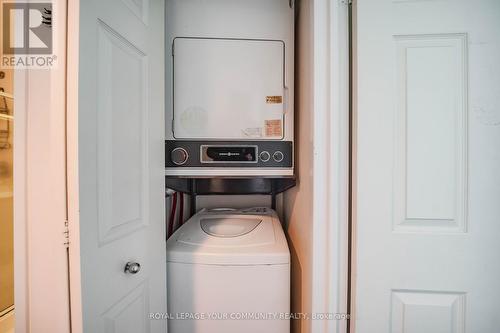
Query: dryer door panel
{"points": [[228, 89]]}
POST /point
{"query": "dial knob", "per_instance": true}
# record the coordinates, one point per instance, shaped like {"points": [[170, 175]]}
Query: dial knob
{"points": [[264, 156], [179, 156], [278, 156]]}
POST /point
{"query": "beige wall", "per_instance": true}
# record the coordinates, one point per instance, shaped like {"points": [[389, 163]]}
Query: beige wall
{"points": [[6, 208], [297, 202]]}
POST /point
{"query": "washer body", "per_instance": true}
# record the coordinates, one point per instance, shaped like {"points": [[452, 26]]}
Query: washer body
{"points": [[229, 271]]}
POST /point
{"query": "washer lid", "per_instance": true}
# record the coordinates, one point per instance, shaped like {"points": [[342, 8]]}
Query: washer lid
{"points": [[242, 237], [228, 227]]}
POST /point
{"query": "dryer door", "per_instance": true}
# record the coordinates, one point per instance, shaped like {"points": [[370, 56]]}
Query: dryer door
{"points": [[228, 89]]}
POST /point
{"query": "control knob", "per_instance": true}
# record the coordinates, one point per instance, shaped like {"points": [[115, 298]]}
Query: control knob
{"points": [[179, 156], [278, 156], [264, 156]]}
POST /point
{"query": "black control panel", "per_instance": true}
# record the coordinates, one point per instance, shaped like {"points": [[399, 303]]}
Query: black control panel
{"points": [[248, 154], [222, 154]]}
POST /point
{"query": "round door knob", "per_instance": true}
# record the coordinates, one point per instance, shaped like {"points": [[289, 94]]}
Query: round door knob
{"points": [[179, 156], [132, 267]]}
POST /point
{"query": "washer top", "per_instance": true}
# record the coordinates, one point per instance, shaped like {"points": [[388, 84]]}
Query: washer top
{"points": [[230, 237], [228, 227]]}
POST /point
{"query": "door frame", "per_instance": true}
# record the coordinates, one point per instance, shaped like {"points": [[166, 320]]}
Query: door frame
{"points": [[40, 244], [330, 258], [73, 27], [330, 290]]}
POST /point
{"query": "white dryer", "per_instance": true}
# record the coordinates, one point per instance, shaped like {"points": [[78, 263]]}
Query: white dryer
{"points": [[229, 271], [229, 88]]}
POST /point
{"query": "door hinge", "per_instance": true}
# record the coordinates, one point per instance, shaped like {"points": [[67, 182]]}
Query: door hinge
{"points": [[346, 2], [66, 234]]}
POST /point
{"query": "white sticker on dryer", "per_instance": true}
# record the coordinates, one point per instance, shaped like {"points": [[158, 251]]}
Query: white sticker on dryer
{"points": [[253, 132]]}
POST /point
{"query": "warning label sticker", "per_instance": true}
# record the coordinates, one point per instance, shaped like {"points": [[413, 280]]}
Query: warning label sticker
{"points": [[274, 99], [274, 128]]}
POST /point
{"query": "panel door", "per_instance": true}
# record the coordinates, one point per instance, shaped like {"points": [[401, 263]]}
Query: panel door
{"points": [[427, 166], [121, 158]]}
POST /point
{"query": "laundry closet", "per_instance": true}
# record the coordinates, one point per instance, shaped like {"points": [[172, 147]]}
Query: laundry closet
{"points": [[229, 130], [196, 131], [314, 157]]}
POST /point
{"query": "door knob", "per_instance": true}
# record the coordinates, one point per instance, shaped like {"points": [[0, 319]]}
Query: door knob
{"points": [[132, 267]]}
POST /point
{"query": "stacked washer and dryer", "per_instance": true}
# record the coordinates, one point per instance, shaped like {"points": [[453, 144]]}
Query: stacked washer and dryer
{"points": [[229, 88]]}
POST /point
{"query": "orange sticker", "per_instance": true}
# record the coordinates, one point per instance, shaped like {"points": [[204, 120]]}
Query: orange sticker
{"points": [[274, 99], [274, 128]]}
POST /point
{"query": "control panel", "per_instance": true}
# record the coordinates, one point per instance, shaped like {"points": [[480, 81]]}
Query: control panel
{"points": [[272, 154]]}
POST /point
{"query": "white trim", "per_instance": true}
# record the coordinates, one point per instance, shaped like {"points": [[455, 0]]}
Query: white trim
{"points": [[331, 163], [72, 166], [233, 172], [354, 165], [40, 259], [21, 269]]}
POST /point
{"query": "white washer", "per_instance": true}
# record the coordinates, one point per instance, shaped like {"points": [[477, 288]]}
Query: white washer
{"points": [[229, 271]]}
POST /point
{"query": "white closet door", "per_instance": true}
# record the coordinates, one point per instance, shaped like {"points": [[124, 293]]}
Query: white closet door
{"points": [[428, 161], [121, 164]]}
